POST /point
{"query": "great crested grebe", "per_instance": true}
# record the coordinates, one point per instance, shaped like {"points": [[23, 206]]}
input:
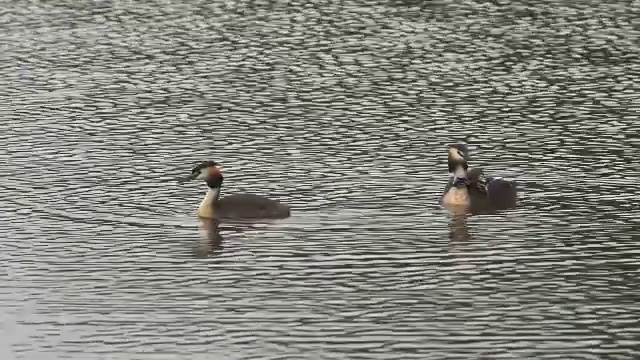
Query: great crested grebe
{"points": [[469, 188], [237, 206]]}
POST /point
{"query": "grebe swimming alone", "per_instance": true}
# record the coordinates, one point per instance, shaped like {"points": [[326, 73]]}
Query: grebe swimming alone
{"points": [[237, 206]]}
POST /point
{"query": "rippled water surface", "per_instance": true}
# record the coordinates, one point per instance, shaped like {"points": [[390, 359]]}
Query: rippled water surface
{"points": [[343, 110]]}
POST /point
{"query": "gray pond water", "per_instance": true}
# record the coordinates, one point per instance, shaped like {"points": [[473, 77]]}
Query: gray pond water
{"points": [[341, 109]]}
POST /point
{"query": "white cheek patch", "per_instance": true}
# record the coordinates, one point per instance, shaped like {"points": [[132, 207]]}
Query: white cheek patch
{"points": [[202, 175], [455, 154]]}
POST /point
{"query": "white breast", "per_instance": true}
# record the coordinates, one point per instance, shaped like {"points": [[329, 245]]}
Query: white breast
{"points": [[457, 196]]}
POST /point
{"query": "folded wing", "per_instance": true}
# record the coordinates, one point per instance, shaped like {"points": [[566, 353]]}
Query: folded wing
{"points": [[500, 193]]}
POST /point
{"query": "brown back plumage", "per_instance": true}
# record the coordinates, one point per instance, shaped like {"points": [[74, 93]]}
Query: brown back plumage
{"points": [[250, 206], [491, 193]]}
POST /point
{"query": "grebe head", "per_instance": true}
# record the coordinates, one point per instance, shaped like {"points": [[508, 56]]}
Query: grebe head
{"points": [[458, 157], [210, 172]]}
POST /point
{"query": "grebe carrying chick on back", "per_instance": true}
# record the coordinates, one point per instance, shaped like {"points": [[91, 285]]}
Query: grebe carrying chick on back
{"points": [[235, 206], [469, 188]]}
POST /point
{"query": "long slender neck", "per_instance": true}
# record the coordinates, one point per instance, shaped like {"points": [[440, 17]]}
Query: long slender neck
{"points": [[209, 201], [212, 196], [458, 168], [208, 204], [460, 171], [213, 193]]}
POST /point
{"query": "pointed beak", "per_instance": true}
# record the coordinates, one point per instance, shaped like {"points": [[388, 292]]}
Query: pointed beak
{"points": [[184, 179]]}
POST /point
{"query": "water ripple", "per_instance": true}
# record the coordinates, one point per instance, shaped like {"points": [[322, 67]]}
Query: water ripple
{"points": [[343, 111]]}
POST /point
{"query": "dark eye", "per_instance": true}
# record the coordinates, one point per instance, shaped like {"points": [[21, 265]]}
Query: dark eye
{"points": [[461, 154]]}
